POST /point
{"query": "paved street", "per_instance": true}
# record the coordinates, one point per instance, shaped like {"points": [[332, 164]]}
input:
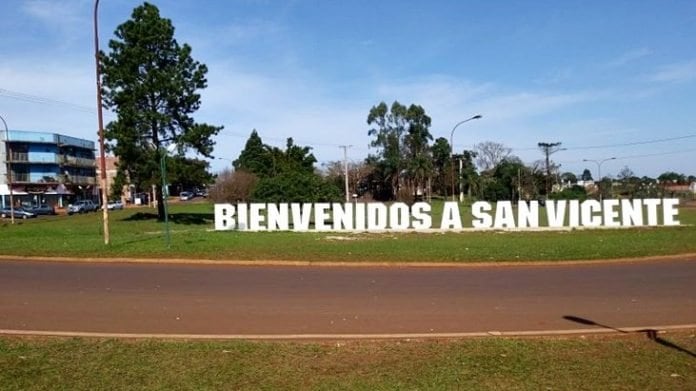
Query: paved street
{"points": [[158, 298]]}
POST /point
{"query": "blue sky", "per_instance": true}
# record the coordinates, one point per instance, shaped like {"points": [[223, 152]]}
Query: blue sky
{"points": [[594, 75]]}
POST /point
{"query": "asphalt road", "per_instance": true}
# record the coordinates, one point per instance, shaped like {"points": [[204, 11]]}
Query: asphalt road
{"points": [[190, 299]]}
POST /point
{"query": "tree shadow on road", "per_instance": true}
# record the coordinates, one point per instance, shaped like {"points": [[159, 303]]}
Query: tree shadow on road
{"points": [[651, 334]]}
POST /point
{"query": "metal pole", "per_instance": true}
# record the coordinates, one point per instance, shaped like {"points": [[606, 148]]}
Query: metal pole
{"points": [[345, 168], [165, 193], [599, 178], [461, 187], [102, 153], [477, 116], [599, 172], [519, 185], [9, 169]]}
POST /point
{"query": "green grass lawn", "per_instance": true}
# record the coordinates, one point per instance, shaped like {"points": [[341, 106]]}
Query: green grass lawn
{"points": [[631, 362], [136, 233]]}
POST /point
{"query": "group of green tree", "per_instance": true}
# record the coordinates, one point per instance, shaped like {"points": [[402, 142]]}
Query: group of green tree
{"points": [[266, 173], [152, 84]]}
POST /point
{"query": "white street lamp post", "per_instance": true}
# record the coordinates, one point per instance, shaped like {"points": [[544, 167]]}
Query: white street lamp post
{"points": [[461, 189], [599, 172]]}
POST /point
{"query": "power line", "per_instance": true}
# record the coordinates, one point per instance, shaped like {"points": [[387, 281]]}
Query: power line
{"points": [[43, 100], [16, 95], [50, 101], [627, 144], [639, 156], [656, 154], [283, 140], [662, 140]]}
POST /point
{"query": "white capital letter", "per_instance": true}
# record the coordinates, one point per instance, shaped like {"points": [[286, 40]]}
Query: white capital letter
{"points": [[651, 204], [481, 218], [611, 215], [670, 211], [399, 216], [555, 213], [421, 215], [376, 216], [224, 217], [256, 218], [588, 209]]}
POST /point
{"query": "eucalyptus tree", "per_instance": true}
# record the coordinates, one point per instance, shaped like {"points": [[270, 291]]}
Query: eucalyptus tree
{"points": [[419, 162], [402, 136], [389, 125], [442, 163]]}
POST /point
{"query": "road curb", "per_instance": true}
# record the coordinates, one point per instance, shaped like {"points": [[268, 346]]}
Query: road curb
{"points": [[687, 257], [271, 337]]}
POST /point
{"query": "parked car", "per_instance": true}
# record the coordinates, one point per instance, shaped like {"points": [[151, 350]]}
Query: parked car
{"points": [[82, 206], [19, 213], [185, 195], [200, 193], [114, 205], [43, 209]]}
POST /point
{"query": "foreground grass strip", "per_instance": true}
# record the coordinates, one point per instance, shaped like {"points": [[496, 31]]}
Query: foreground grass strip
{"points": [[607, 363], [136, 233]]}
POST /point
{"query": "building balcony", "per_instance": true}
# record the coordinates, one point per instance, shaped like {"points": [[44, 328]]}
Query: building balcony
{"points": [[64, 160], [33, 158], [78, 180], [77, 161], [24, 178]]}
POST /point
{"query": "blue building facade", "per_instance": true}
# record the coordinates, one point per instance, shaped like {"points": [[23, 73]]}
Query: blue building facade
{"points": [[44, 167]]}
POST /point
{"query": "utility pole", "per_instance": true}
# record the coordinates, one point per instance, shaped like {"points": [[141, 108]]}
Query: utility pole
{"points": [[549, 149], [100, 119], [345, 168], [9, 169]]}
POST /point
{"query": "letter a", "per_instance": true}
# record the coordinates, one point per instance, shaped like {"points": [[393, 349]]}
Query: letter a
{"points": [[450, 216]]}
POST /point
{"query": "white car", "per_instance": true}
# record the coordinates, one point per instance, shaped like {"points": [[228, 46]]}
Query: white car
{"points": [[185, 195], [114, 205], [82, 206]]}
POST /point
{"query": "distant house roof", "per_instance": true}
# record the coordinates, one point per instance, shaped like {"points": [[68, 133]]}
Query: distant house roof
{"points": [[680, 188]]}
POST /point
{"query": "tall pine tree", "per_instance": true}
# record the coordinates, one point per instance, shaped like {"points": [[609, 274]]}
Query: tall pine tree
{"points": [[151, 83], [255, 157]]}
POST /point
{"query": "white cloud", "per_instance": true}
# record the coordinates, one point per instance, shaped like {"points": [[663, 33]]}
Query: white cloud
{"points": [[440, 91], [557, 76], [62, 98], [682, 72], [65, 16], [628, 57], [309, 110], [306, 110], [248, 30], [521, 105]]}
